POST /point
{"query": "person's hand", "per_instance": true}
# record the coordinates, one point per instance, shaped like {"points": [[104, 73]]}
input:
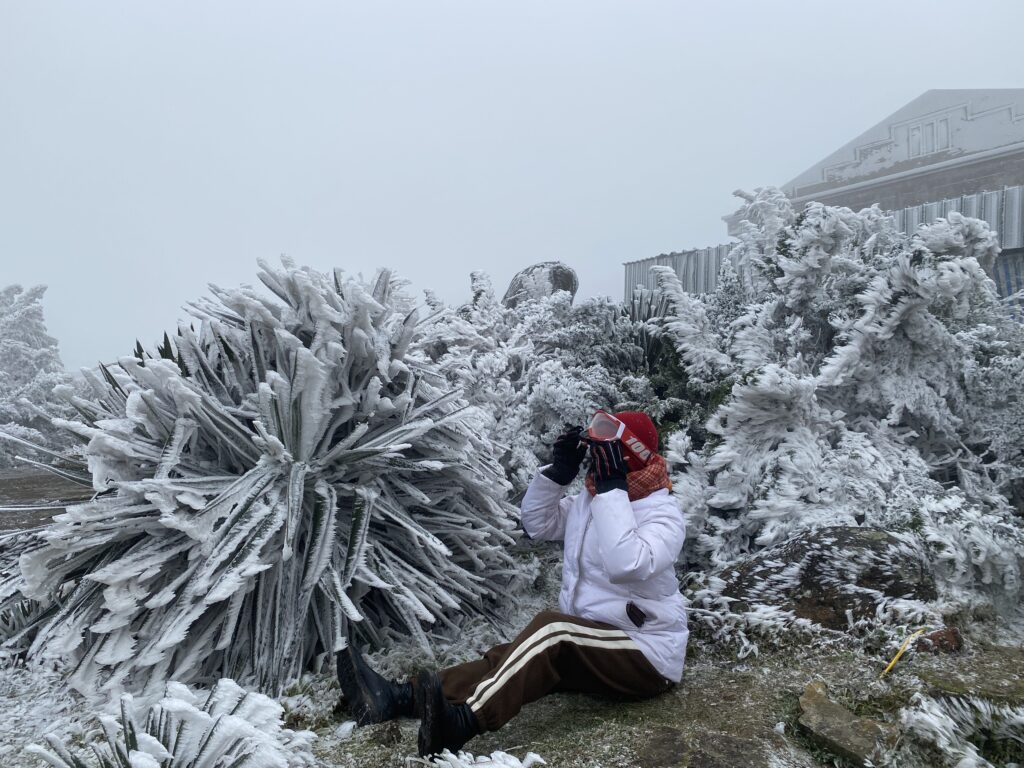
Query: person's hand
{"points": [[608, 465], [566, 456]]}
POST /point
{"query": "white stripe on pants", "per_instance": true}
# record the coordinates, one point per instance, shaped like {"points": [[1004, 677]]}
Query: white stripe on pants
{"points": [[538, 642]]}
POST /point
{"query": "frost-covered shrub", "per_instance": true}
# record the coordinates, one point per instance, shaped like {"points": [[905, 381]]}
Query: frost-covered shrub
{"points": [[701, 345], [711, 615], [30, 368], [496, 760], [226, 726], [665, 388], [289, 469], [959, 729], [874, 379], [975, 551], [536, 368]]}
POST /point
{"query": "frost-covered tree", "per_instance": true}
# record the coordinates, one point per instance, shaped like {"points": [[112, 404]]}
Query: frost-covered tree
{"points": [[873, 381], [30, 368], [675, 386], [537, 367], [284, 470]]}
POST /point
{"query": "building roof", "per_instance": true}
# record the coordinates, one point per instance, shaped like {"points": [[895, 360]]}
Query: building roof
{"points": [[938, 127]]}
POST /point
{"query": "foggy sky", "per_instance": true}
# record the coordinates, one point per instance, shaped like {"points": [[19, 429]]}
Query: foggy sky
{"points": [[150, 148]]}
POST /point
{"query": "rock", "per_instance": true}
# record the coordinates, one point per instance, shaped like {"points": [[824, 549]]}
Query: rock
{"points": [[541, 279], [857, 739], [344, 731], [832, 575], [945, 640]]}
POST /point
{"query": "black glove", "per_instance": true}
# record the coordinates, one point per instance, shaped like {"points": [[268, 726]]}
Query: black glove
{"points": [[608, 465], [566, 456]]}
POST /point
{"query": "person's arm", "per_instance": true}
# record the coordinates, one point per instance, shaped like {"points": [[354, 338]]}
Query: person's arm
{"points": [[544, 511], [631, 552]]}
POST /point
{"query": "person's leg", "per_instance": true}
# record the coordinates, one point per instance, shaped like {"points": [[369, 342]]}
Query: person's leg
{"points": [[565, 653], [554, 652], [371, 697], [459, 681], [625, 675]]}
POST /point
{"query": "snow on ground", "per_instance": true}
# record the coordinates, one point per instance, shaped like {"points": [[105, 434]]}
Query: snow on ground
{"points": [[34, 701]]}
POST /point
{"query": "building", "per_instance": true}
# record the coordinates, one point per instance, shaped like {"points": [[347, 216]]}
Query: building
{"points": [[942, 145], [947, 150]]}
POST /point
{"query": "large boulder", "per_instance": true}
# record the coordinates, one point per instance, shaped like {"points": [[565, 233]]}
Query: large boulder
{"points": [[833, 575], [541, 279]]}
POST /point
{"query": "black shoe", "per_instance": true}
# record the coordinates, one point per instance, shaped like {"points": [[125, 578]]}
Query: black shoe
{"points": [[371, 697], [442, 725]]}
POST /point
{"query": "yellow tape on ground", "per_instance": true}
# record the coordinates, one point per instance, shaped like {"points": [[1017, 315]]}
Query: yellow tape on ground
{"points": [[900, 652]]}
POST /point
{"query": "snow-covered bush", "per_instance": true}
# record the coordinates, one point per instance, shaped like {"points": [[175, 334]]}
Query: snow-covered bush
{"points": [[874, 379], [661, 387], [496, 760], [226, 726], [536, 368], [34, 702], [30, 368], [289, 469], [958, 729]]}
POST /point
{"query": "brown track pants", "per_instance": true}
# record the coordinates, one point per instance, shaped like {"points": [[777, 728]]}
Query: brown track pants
{"points": [[556, 652]]}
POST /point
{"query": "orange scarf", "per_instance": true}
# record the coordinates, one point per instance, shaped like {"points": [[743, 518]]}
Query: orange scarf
{"points": [[641, 483]]}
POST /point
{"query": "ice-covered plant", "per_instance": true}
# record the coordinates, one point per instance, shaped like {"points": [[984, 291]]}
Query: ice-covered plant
{"points": [[226, 726], [495, 760], [534, 368], [289, 469], [958, 729], [874, 378], [684, 373], [975, 551], [30, 368], [700, 344]]}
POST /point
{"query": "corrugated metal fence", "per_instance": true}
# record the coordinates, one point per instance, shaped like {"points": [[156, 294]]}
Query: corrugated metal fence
{"points": [[697, 269], [1003, 210]]}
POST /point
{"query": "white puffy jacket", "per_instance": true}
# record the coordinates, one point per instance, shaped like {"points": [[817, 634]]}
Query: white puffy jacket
{"points": [[617, 552]]}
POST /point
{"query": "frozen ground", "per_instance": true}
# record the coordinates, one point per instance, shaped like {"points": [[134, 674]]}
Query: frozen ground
{"points": [[34, 702], [725, 713], [36, 495]]}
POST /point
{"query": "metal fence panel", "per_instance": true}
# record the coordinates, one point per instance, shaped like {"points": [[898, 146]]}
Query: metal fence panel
{"points": [[1003, 210]]}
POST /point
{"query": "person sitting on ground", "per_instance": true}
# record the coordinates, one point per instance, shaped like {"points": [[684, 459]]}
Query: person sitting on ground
{"points": [[621, 628]]}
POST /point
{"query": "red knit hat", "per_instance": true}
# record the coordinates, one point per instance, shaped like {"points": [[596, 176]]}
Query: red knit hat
{"points": [[639, 424]]}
